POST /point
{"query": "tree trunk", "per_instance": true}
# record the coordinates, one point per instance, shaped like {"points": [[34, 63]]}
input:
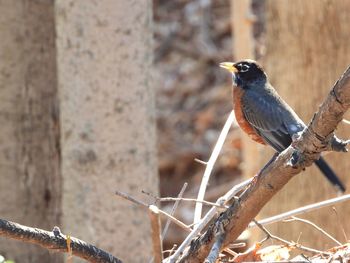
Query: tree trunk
{"points": [[307, 48], [29, 132], [107, 121]]}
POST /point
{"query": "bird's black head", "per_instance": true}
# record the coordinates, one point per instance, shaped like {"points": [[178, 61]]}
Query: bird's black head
{"points": [[245, 72]]}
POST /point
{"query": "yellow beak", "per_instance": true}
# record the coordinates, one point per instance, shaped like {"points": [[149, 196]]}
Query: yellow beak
{"points": [[229, 66]]}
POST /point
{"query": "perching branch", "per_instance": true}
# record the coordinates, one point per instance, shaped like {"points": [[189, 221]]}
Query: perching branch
{"points": [[316, 138], [55, 241]]}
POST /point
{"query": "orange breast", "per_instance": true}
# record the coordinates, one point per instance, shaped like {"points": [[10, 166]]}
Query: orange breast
{"points": [[242, 122]]}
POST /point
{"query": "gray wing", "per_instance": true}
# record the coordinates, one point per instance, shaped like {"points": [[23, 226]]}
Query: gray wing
{"points": [[272, 119]]}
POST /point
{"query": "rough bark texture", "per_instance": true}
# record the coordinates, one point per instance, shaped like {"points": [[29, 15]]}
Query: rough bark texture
{"points": [[56, 241], [108, 127], [29, 152], [275, 175], [307, 44]]}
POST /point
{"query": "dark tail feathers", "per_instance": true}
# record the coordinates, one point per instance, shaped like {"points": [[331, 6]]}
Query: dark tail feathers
{"points": [[331, 176]]}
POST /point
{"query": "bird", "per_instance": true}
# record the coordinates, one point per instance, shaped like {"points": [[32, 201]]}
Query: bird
{"points": [[264, 115]]}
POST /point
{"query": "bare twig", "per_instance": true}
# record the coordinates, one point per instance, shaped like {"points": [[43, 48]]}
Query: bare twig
{"points": [[138, 202], [171, 199], [301, 210], [200, 161], [170, 251], [236, 245], [176, 221], [230, 251], [346, 121], [167, 224], [130, 198], [55, 241], [314, 226], [340, 223], [290, 244], [155, 230], [209, 166]]}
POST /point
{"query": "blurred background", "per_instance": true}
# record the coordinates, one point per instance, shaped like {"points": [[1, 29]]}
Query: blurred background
{"points": [[99, 96]]}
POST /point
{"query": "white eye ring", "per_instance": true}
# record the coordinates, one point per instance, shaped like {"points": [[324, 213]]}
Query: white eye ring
{"points": [[244, 68]]}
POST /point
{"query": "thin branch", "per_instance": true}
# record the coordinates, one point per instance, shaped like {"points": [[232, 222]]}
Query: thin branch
{"points": [[340, 223], [171, 199], [209, 166], [301, 210], [290, 244], [315, 139], [236, 245], [170, 251], [155, 230], [314, 226], [176, 221], [230, 252], [346, 121], [130, 198], [200, 161], [167, 224], [55, 241], [138, 202]]}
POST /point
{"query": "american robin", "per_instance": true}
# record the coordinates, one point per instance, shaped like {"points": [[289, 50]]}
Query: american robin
{"points": [[264, 115]]}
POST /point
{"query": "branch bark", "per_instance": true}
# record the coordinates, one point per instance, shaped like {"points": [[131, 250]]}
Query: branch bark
{"points": [[55, 241], [316, 138]]}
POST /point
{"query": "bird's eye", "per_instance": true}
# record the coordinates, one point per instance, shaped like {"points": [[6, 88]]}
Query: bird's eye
{"points": [[244, 68]]}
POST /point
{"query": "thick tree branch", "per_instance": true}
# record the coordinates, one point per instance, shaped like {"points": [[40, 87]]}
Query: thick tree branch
{"points": [[315, 139], [56, 241]]}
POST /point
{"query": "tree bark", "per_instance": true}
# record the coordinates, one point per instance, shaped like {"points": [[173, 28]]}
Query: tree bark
{"points": [[307, 47], [107, 121], [56, 241], [29, 132]]}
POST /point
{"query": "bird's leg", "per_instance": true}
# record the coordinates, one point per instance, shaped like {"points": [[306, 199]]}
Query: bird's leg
{"points": [[295, 158], [269, 162]]}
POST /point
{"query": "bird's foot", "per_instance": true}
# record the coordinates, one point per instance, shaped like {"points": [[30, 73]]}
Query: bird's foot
{"points": [[297, 136], [296, 159], [338, 145]]}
